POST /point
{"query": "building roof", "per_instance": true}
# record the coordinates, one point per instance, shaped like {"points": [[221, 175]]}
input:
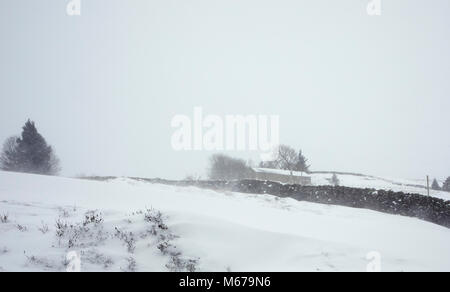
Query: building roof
{"points": [[278, 171]]}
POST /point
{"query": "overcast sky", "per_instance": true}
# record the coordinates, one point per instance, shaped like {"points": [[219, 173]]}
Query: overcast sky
{"points": [[356, 93]]}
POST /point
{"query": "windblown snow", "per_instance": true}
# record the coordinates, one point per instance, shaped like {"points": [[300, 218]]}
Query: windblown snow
{"points": [[125, 225]]}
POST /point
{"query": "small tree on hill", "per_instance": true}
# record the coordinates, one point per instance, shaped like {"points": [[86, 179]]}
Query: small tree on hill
{"points": [[435, 185], [302, 165], [446, 185], [335, 180]]}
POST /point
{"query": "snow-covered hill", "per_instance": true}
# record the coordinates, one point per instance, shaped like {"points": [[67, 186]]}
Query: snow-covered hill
{"points": [[116, 226]]}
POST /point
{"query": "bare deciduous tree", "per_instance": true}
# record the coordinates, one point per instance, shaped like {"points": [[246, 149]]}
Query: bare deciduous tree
{"points": [[287, 158], [9, 156]]}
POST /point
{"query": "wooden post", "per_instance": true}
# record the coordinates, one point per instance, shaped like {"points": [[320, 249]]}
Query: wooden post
{"points": [[428, 185]]}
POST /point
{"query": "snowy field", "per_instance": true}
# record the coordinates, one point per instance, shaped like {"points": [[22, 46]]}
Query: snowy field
{"points": [[366, 181], [115, 226]]}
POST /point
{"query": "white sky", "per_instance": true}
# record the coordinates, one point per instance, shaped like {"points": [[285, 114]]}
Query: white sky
{"points": [[356, 93]]}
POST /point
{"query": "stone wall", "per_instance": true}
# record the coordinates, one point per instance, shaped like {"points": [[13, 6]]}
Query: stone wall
{"points": [[413, 205]]}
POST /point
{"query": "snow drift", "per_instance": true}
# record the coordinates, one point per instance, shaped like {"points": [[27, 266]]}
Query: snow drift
{"points": [[199, 230]]}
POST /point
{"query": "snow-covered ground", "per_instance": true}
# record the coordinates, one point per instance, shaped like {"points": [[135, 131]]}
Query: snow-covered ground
{"points": [[199, 229], [367, 181]]}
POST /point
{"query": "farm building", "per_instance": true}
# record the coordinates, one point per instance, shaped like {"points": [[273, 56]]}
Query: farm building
{"points": [[282, 176]]}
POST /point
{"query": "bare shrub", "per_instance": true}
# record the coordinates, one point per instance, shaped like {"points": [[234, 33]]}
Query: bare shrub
{"points": [[164, 247], [127, 238], [21, 228], [155, 217], [177, 264], [61, 228], [158, 228], [41, 262], [96, 258], [132, 265], [92, 217], [87, 233], [4, 218], [65, 213], [44, 229]]}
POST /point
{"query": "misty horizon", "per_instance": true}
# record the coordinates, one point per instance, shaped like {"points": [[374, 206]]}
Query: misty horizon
{"points": [[355, 93]]}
